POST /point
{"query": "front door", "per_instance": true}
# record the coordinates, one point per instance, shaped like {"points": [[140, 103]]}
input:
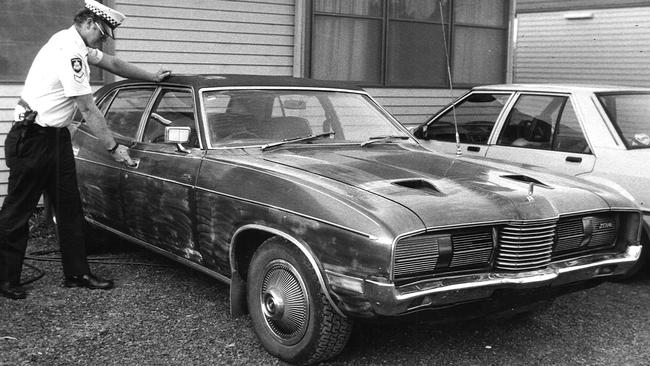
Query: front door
{"points": [[101, 175], [159, 191], [473, 118]]}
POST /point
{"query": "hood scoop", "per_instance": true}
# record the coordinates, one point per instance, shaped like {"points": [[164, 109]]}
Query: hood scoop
{"points": [[524, 179], [419, 184]]}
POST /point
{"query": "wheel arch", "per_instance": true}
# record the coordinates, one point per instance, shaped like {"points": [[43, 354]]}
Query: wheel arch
{"points": [[244, 243]]}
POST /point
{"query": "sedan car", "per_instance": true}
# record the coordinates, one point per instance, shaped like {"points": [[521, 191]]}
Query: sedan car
{"points": [[599, 133], [318, 208]]}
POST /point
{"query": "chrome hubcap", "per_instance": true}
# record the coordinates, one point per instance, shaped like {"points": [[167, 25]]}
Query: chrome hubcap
{"points": [[273, 306], [284, 302]]}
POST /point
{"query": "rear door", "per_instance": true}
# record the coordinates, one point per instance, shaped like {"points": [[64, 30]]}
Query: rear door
{"points": [[543, 130], [159, 191], [474, 117], [99, 175]]}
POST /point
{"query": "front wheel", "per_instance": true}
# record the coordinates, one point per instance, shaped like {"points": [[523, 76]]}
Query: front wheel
{"points": [[291, 316]]}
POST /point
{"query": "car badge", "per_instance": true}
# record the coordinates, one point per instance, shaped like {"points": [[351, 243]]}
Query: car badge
{"points": [[531, 188]]}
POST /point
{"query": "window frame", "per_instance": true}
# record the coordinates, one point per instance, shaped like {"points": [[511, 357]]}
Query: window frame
{"points": [[152, 104], [498, 132], [496, 126], [113, 93], [386, 19]]}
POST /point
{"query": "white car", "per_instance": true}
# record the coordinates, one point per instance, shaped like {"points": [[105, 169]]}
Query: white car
{"points": [[599, 133]]}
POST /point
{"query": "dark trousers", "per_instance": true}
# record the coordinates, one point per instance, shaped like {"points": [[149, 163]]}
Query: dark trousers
{"points": [[40, 161]]}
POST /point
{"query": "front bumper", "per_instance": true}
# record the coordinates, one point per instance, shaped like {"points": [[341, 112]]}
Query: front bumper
{"points": [[386, 299]]}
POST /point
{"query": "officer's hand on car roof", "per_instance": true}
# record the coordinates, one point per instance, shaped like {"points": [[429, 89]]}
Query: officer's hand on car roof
{"points": [[161, 75]]}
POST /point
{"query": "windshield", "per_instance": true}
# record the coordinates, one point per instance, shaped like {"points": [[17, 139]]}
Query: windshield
{"points": [[264, 116], [630, 113]]}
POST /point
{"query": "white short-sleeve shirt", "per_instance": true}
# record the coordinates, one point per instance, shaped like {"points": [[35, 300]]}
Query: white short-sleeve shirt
{"points": [[59, 71]]}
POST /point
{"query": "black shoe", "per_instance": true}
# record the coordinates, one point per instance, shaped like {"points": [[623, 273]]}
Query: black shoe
{"points": [[88, 281], [10, 291]]}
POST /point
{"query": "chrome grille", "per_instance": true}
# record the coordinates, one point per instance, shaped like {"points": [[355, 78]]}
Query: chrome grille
{"points": [[569, 234], [525, 246], [521, 246], [604, 231], [584, 232], [446, 251], [471, 249], [414, 255]]}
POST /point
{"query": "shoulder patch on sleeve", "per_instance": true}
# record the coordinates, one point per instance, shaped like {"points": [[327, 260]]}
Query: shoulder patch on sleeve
{"points": [[77, 65]]}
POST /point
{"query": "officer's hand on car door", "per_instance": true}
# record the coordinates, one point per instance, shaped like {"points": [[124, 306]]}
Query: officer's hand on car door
{"points": [[121, 154]]}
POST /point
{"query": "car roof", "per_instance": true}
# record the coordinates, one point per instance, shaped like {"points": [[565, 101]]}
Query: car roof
{"points": [[565, 88], [242, 80]]}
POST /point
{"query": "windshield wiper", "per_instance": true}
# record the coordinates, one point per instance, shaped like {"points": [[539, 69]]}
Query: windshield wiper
{"points": [[383, 139], [297, 139]]}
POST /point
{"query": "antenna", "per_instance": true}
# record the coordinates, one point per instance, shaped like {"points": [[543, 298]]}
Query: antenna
{"points": [[459, 152]]}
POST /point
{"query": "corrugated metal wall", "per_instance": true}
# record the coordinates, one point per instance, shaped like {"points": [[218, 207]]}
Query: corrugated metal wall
{"points": [[527, 6], [610, 46]]}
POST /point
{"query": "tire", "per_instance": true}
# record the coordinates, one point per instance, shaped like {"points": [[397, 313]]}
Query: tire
{"points": [[291, 316]]}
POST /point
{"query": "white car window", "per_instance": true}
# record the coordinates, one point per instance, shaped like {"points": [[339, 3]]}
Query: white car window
{"points": [[629, 113], [543, 122], [569, 136], [474, 117]]}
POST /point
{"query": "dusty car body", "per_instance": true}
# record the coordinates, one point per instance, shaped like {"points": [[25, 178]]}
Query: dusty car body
{"points": [[318, 208], [598, 133]]}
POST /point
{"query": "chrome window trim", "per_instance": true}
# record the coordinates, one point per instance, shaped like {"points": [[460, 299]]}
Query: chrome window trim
{"points": [[204, 116]]}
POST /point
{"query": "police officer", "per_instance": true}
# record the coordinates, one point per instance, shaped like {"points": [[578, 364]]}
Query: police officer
{"points": [[38, 150]]}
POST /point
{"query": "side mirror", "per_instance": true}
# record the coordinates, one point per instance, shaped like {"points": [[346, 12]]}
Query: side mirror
{"points": [[178, 136]]}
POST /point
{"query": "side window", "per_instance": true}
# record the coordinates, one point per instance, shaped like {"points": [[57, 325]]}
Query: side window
{"points": [[124, 114], [172, 108], [102, 105], [568, 133], [475, 117], [106, 101], [530, 123], [543, 122]]}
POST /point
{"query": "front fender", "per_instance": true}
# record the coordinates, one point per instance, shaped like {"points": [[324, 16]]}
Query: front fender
{"points": [[238, 283]]}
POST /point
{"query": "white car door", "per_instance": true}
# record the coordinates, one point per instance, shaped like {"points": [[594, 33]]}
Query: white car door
{"points": [[543, 130], [473, 116]]}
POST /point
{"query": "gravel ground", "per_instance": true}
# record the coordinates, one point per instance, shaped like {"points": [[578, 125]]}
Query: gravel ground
{"points": [[161, 313]]}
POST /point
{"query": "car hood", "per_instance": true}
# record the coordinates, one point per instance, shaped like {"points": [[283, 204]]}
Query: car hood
{"points": [[443, 190]]}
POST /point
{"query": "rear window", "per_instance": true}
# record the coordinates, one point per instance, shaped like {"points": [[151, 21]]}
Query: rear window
{"points": [[630, 114]]}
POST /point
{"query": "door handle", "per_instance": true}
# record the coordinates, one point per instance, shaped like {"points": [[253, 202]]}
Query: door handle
{"points": [[136, 161], [473, 148], [574, 159]]}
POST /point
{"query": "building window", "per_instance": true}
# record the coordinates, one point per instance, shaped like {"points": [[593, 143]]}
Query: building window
{"points": [[401, 43], [25, 26]]}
